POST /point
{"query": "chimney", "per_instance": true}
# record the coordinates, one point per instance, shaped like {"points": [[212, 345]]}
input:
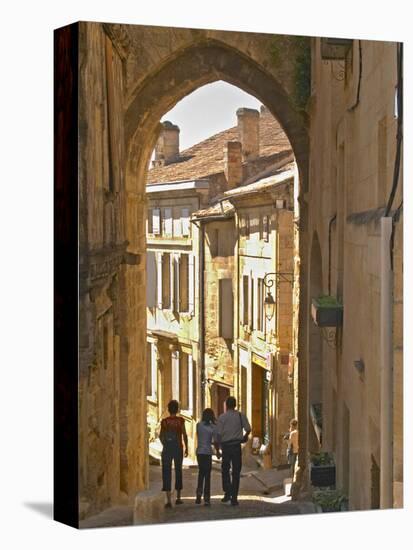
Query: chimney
{"points": [[233, 163], [249, 132], [167, 146]]}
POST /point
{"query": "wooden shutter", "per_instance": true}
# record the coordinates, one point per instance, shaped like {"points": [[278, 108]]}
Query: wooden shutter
{"points": [[190, 384], [251, 304], [156, 221], [150, 278], [175, 374], [191, 289], [168, 222], [149, 226], [159, 277], [185, 222], [176, 281], [184, 282]]}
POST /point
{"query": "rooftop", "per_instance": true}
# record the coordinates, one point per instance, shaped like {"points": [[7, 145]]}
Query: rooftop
{"points": [[206, 158]]}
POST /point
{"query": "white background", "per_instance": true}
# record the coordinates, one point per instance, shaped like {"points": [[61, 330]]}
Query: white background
{"points": [[26, 234]]}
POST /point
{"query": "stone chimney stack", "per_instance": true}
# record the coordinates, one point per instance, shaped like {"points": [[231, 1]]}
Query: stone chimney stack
{"points": [[167, 146], [249, 132], [233, 163]]}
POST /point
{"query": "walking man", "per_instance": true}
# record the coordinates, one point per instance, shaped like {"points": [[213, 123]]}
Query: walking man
{"points": [[229, 435]]}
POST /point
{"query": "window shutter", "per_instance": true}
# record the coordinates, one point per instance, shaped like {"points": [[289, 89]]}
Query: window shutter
{"points": [[190, 384], [171, 281], [175, 375], [156, 221], [159, 279], [168, 221], [150, 278], [191, 276], [251, 304], [185, 222], [177, 225], [154, 373], [150, 221], [176, 279]]}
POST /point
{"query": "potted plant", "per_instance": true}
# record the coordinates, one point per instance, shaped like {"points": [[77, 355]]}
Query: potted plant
{"points": [[330, 500], [327, 311], [323, 470]]}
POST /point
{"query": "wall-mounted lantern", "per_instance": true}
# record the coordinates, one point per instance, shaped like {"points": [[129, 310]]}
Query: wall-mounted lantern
{"points": [[270, 280], [269, 306]]}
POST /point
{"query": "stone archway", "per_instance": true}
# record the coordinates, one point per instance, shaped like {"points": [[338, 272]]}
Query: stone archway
{"points": [[125, 88]]}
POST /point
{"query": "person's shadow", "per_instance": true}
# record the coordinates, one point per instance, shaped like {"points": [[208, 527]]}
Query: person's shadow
{"points": [[42, 508]]}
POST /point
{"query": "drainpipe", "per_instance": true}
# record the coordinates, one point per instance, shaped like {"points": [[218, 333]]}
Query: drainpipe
{"points": [[386, 367]]}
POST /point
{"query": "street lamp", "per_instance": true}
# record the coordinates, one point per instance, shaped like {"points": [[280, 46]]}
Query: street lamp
{"points": [[271, 279], [269, 306]]}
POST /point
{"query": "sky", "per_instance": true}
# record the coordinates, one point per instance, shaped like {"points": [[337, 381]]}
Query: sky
{"points": [[207, 111]]}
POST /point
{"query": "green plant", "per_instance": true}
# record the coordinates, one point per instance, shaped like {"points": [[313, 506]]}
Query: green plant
{"points": [[322, 459], [327, 301], [330, 500]]}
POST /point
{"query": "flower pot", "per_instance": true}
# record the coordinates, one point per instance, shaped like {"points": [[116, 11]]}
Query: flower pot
{"points": [[326, 311], [323, 475]]}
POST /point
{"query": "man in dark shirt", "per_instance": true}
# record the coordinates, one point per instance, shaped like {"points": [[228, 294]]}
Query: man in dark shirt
{"points": [[229, 435]]}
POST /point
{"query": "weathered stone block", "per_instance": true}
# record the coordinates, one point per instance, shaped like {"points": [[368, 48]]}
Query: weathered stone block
{"points": [[149, 506]]}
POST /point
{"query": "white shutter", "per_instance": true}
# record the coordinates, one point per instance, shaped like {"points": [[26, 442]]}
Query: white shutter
{"points": [[190, 383], [159, 279], [150, 278], [177, 225], [168, 221], [185, 222], [154, 371], [175, 375], [156, 221], [176, 261], [191, 274]]}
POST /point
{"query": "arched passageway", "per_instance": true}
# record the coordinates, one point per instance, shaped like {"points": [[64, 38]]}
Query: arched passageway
{"points": [[116, 313]]}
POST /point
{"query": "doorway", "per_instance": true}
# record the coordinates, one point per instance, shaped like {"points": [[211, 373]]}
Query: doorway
{"points": [[221, 394], [260, 404]]}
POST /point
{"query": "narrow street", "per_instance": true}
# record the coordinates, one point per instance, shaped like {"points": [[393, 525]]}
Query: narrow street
{"points": [[261, 494]]}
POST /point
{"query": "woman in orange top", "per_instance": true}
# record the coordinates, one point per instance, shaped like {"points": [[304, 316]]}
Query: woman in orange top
{"points": [[173, 438]]}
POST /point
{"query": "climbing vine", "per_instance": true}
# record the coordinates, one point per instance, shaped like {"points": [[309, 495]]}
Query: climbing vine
{"points": [[300, 48]]}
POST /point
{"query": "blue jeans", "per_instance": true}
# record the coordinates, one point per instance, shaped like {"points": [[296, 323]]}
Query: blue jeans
{"points": [[168, 455]]}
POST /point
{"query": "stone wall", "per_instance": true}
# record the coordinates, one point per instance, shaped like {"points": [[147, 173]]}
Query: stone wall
{"points": [[353, 145]]}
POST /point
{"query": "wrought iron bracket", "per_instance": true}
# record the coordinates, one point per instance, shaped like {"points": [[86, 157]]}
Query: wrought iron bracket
{"points": [[271, 279]]}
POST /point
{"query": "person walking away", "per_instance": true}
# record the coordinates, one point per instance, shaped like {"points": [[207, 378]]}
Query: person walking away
{"points": [[205, 431], [174, 439], [232, 429], [292, 449]]}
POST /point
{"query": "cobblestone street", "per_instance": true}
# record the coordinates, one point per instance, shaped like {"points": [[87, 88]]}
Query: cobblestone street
{"points": [[253, 500]]}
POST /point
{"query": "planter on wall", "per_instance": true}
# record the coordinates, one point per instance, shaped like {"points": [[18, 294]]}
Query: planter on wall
{"points": [[322, 470], [326, 311]]}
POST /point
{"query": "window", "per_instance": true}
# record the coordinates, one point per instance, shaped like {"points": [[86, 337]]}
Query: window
{"points": [[183, 382], [166, 281], [244, 315], [150, 278], [156, 221], [186, 382], [150, 221], [184, 282], [225, 308], [265, 228], [185, 222], [247, 226], [177, 223], [167, 222]]}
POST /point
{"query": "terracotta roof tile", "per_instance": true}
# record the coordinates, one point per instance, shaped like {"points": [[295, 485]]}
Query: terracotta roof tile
{"points": [[206, 158]]}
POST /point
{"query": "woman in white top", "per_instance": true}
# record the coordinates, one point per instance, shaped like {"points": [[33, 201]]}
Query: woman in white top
{"points": [[204, 431]]}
